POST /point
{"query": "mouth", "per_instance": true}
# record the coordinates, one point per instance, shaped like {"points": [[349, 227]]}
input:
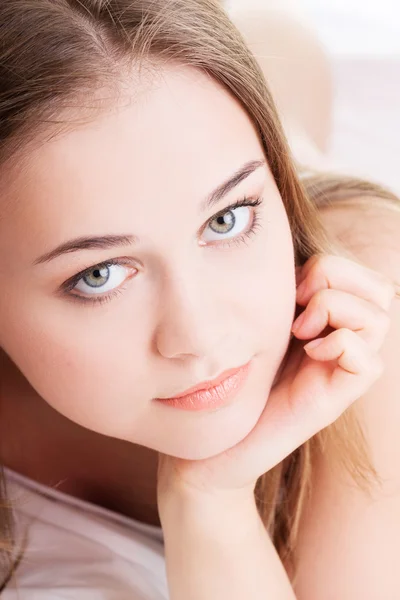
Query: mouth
{"points": [[211, 394]]}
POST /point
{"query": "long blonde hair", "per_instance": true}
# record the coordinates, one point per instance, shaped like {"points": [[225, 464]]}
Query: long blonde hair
{"points": [[53, 52]]}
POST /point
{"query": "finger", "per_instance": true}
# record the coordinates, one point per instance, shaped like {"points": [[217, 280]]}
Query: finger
{"points": [[330, 391], [336, 272], [339, 310], [358, 366]]}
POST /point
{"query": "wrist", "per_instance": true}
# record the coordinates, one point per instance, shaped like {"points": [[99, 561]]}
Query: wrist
{"points": [[217, 546], [207, 510]]}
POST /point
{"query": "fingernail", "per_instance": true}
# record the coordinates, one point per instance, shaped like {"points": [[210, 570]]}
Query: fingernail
{"points": [[314, 344], [298, 322], [301, 288]]}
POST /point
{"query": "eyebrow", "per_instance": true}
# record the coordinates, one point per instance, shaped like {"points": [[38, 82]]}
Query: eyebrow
{"points": [[105, 242]]}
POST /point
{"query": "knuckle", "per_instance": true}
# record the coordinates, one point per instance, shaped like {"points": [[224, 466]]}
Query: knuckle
{"points": [[383, 321], [325, 296], [321, 299], [322, 264], [344, 336]]}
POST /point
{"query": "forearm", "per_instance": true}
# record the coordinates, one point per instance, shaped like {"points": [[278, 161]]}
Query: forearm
{"points": [[218, 549]]}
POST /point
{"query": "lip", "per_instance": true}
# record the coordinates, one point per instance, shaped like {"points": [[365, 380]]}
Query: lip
{"points": [[211, 394]]}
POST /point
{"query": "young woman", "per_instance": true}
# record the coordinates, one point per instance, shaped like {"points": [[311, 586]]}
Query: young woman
{"points": [[191, 362]]}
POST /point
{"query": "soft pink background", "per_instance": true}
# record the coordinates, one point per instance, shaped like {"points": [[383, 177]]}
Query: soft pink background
{"points": [[363, 40]]}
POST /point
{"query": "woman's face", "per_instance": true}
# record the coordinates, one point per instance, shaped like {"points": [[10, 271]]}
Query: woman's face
{"points": [[196, 288]]}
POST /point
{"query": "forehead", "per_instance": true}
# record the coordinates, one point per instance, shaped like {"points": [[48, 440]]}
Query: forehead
{"points": [[177, 136]]}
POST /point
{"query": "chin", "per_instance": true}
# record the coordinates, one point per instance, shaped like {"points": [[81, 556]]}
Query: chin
{"points": [[224, 430], [202, 435]]}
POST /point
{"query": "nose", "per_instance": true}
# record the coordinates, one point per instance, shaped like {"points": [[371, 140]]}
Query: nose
{"points": [[191, 320]]}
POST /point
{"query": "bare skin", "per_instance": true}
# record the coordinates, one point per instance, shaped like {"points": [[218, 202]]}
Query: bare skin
{"points": [[343, 530], [112, 473], [38, 441], [190, 320], [115, 473]]}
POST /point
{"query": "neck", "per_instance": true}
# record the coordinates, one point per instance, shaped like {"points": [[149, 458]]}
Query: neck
{"points": [[42, 444]]}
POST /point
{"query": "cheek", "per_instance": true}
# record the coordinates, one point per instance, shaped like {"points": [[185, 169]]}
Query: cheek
{"points": [[273, 295], [94, 375], [76, 373]]}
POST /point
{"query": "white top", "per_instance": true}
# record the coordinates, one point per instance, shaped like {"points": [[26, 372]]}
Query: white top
{"points": [[79, 551]]}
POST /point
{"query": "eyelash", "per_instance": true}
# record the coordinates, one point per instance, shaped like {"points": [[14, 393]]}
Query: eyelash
{"points": [[256, 225]]}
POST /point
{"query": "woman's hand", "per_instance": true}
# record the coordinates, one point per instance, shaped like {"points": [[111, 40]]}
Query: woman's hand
{"points": [[347, 312]]}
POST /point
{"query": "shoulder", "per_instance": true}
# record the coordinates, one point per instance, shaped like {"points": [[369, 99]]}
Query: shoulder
{"points": [[348, 542], [369, 228]]}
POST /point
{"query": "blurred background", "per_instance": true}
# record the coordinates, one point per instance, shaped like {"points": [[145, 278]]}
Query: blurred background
{"points": [[362, 38]]}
